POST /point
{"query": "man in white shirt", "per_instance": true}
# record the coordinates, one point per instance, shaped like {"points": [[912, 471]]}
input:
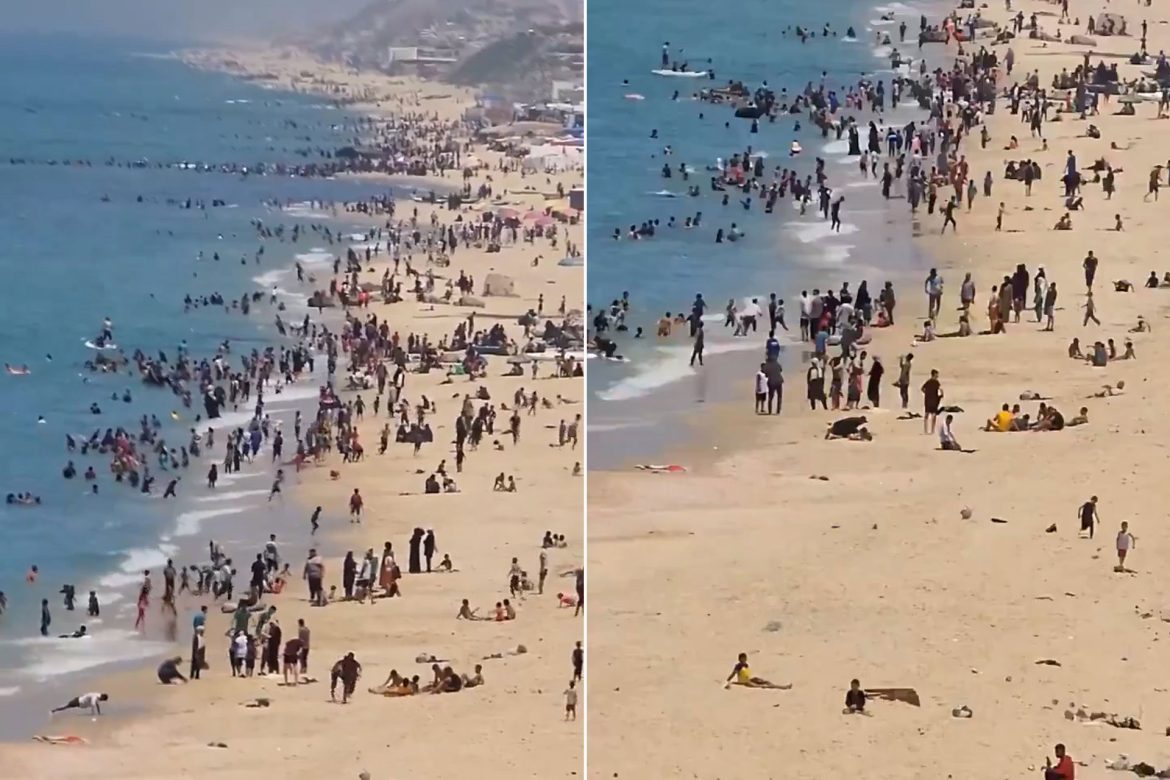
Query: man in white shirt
{"points": [[945, 438], [750, 315], [761, 390], [88, 701], [805, 314]]}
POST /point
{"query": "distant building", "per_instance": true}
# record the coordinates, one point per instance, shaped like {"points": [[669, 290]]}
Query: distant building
{"points": [[567, 92], [401, 59]]}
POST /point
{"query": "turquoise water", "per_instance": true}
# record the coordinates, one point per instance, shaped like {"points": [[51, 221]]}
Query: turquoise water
{"points": [[77, 245], [783, 252]]}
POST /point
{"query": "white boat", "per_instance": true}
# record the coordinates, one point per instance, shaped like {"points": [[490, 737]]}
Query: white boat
{"points": [[682, 74]]}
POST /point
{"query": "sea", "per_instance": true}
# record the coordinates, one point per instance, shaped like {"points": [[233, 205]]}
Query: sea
{"points": [[646, 404], [82, 240]]}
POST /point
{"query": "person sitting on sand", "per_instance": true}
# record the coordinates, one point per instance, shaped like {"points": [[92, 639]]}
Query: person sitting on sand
{"points": [[393, 680], [854, 699], [499, 486], [1001, 422], [741, 674], [946, 437], [445, 565], [1074, 349], [928, 333], [1152, 282], [509, 610], [500, 614], [467, 613], [1050, 420], [1099, 357], [1129, 353], [1020, 423], [1081, 419], [1064, 223], [474, 680]]}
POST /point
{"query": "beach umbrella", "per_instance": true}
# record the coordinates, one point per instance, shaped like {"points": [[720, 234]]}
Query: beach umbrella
{"points": [[544, 221], [507, 213], [531, 216]]}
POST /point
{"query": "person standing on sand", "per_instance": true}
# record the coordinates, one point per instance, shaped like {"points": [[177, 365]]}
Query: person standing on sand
{"points": [[761, 389], [429, 548], [903, 383], [1090, 310], [949, 216], [355, 506], [1050, 307], [314, 573], [1089, 516], [932, 395], [1125, 542], [933, 287], [874, 387], [1090, 266], [578, 660], [580, 592], [815, 378], [697, 350]]}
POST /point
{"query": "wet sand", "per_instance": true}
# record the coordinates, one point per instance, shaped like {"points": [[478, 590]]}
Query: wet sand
{"points": [[874, 573], [513, 725]]}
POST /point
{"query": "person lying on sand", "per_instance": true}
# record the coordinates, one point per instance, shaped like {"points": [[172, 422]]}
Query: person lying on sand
{"points": [[1142, 326], [741, 674], [404, 688], [1080, 419], [1108, 391]]}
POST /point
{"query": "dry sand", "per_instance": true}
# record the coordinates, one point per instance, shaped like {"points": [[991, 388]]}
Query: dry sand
{"points": [[513, 726], [874, 574]]}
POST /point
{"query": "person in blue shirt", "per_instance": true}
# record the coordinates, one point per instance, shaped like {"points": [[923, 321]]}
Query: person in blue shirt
{"points": [[200, 618], [822, 341], [772, 348]]}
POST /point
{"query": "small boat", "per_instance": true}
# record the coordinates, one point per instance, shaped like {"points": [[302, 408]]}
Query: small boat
{"points": [[682, 74]]}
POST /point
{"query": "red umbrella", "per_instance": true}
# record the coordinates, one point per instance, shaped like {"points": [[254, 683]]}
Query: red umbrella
{"points": [[533, 215]]}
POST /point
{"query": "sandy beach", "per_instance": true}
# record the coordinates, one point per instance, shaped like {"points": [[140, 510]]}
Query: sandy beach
{"points": [[513, 724], [827, 560]]}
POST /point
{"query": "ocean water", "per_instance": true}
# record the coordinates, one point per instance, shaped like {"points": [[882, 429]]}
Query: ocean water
{"points": [[642, 406], [82, 242]]}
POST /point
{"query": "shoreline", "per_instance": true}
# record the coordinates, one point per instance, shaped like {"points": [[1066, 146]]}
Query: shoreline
{"points": [[893, 571], [335, 626]]}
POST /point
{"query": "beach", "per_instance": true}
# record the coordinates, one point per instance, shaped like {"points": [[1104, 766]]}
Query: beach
{"points": [[896, 563], [204, 725]]}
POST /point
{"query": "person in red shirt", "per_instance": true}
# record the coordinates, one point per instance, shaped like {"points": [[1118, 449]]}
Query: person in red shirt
{"points": [[1064, 766]]}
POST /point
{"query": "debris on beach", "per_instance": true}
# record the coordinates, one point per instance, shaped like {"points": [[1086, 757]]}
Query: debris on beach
{"points": [[773, 626], [906, 695], [1048, 662], [962, 712]]}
